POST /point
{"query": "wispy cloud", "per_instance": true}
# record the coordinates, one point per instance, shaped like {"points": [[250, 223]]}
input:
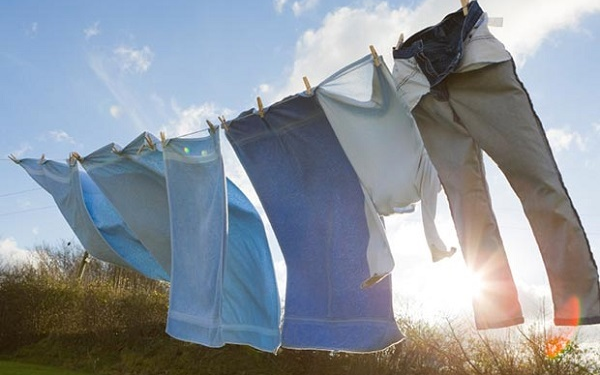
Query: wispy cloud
{"points": [[279, 4], [11, 254], [345, 33], [193, 118], [32, 30], [299, 7], [23, 148], [60, 136], [92, 31], [563, 140], [128, 103], [134, 60], [115, 111]]}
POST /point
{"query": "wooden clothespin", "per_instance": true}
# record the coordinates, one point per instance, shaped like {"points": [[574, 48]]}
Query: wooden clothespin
{"points": [[261, 109], [307, 85], [211, 127], [163, 138], [149, 141], [42, 159], [400, 41], [142, 146], [464, 4], [74, 156], [224, 123], [376, 60], [14, 158]]}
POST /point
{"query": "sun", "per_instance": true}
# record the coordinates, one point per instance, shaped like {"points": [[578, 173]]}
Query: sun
{"points": [[443, 289]]}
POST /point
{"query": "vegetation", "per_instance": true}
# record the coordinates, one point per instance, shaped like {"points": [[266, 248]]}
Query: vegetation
{"points": [[15, 368], [111, 321]]}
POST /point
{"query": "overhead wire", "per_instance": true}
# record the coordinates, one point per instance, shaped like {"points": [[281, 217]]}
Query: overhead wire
{"points": [[26, 210], [19, 192]]}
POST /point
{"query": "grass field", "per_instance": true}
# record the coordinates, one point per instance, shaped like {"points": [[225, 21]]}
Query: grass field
{"points": [[16, 368]]}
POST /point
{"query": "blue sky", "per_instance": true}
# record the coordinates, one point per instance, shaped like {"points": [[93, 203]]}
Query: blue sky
{"points": [[76, 75]]}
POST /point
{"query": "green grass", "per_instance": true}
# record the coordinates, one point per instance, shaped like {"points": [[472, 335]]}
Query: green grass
{"points": [[16, 368]]}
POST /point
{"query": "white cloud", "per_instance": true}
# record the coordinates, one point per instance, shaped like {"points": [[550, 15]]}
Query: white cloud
{"points": [[346, 33], [92, 31], [299, 7], [110, 72], [279, 4], [562, 140], [115, 111], [134, 60], [264, 88], [32, 30], [193, 118], [60, 136], [596, 126], [12, 255], [23, 148]]}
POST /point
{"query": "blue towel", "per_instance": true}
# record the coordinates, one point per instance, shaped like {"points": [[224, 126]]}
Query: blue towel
{"points": [[133, 182], [223, 287], [93, 219], [316, 206]]}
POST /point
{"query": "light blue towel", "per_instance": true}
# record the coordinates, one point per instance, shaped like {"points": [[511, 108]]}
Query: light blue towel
{"points": [[96, 223], [133, 182], [223, 287], [316, 206]]}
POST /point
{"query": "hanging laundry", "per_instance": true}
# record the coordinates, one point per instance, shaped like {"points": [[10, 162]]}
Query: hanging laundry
{"points": [[92, 217], [132, 181], [467, 97], [317, 209], [381, 140], [223, 287]]}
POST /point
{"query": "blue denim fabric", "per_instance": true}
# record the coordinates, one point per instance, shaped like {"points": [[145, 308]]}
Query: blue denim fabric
{"points": [[92, 217], [316, 207], [131, 181], [223, 287], [438, 49]]}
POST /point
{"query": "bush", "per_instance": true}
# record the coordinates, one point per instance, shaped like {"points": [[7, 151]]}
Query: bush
{"points": [[111, 321]]}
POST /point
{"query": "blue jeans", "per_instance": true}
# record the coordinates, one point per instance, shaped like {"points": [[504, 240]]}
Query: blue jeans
{"points": [[481, 105], [438, 49]]}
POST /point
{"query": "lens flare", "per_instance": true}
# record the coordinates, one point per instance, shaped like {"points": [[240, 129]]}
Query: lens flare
{"points": [[186, 150], [562, 342]]}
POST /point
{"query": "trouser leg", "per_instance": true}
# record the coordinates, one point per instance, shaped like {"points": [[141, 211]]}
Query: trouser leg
{"points": [[497, 112], [458, 160]]}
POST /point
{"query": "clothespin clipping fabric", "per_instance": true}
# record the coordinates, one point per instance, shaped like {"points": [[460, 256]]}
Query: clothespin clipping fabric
{"points": [[307, 85], [14, 159], [375, 56], [464, 4], [211, 127], [74, 156], [149, 141], [224, 122], [261, 109]]}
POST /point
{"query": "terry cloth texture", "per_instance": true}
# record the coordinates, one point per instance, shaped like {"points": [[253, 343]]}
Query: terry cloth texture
{"points": [[94, 220], [131, 179], [223, 287], [316, 206]]}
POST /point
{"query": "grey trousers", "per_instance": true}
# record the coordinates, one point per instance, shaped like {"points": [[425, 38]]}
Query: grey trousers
{"points": [[488, 109]]}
